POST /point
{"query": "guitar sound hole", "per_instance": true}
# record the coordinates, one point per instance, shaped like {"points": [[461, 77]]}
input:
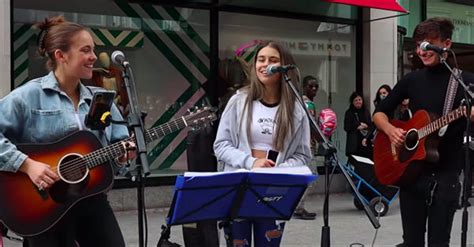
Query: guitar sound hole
{"points": [[411, 139], [73, 169]]}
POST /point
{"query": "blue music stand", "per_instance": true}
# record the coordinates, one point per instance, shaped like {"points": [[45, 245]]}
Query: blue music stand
{"points": [[270, 193]]}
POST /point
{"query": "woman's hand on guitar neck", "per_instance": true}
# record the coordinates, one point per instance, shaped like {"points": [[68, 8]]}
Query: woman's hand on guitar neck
{"points": [[130, 152], [40, 173], [396, 135]]}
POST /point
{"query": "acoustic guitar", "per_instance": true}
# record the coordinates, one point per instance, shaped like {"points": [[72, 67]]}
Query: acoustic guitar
{"points": [[402, 165], [84, 170]]}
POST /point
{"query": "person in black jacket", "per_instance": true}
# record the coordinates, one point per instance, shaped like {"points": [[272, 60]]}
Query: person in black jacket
{"points": [[428, 203], [382, 93], [356, 124]]}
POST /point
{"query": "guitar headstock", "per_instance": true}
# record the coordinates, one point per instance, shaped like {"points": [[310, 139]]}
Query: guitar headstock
{"points": [[200, 117]]}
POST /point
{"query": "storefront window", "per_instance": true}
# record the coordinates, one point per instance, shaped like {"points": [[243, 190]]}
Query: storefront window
{"points": [[168, 51], [410, 21], [462, 15], [459, 11]]}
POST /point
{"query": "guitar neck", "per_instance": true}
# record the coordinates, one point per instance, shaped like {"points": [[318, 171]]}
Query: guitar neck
{"points": [[164, 129], [441, 122], [116, 150]]}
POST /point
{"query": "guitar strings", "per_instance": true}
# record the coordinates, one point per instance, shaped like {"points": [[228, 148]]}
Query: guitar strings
{"points": [[73, 167], [440, 122]]}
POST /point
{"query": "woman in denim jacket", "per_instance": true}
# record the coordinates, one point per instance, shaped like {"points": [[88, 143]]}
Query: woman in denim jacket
{"points": [[49, 108], [261, 117]]}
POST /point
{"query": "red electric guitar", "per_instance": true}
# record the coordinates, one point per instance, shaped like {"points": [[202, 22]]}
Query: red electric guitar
{"points": [[83, 166], [400, 166]]}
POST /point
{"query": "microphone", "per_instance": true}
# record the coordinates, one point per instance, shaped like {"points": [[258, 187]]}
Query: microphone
{"points": [[119, 58], [426, 46], [272, 68]]}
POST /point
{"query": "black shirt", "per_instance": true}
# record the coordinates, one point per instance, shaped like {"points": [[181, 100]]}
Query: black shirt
{"points": [[426, 89]]}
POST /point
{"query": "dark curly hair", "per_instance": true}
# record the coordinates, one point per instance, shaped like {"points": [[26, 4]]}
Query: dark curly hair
{"points": [[433, 28]]}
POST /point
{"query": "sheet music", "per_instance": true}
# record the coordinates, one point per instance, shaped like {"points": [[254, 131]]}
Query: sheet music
{"points": [[203, 174], [363, 159], [298, 170]]}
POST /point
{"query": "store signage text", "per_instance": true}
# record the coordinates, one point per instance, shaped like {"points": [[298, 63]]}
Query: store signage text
{"points": [[319, 47]]}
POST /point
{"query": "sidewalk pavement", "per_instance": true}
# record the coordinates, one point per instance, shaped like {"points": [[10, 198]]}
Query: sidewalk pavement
{"points": [[348, 226]]}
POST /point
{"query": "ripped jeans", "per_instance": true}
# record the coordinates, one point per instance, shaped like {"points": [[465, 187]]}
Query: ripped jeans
{"points": [[266, 232]]}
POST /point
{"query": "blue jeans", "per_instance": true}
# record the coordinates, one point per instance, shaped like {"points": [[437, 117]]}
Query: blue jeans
{"points": [[266, 232]]}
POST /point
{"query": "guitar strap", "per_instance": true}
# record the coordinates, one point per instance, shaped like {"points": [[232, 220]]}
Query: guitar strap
{"points": [[450, 95], [451, 92]]}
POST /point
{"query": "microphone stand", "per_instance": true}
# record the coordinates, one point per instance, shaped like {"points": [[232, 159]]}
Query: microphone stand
{"points": [[329, 156], [135, 122], [468, 96]]}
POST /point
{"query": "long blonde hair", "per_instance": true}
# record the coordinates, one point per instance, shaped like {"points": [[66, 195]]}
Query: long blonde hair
{"points": [[255, 91]]}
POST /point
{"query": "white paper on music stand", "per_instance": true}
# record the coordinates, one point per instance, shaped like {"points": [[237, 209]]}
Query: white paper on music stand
{"points": [[200, 174], [298, 170], [363, 159]]}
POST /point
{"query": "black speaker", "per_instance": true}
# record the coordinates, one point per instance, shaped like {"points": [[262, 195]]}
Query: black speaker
{"points": [[201, 158]]}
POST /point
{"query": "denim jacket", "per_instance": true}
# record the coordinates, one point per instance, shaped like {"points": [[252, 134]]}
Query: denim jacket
{"points": [[232, 147], [39, 112]]}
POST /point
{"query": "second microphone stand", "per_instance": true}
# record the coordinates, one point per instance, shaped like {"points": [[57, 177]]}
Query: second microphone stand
{"points": [[330, 155], [135, 123], [468, 96]]}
